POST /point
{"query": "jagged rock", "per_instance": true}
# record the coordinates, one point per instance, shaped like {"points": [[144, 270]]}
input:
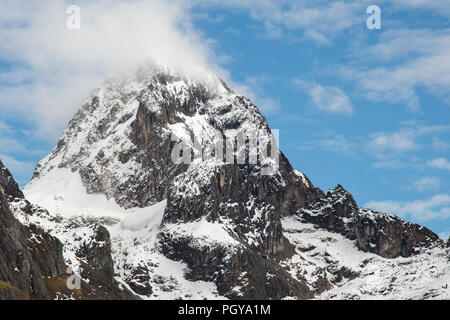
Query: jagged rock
{"points": [[96, 252], [32, 265], [28, 256], [139, 281], [8, 186], [241, 275], [101, 287], [236, 194], [380, 233]]}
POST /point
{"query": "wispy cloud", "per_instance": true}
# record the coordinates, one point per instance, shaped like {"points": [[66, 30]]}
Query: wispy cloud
{"points": [[4, 128], [426, 183], [338, 144], [385, 144], [439, 163], [391, 150], [52, 69], [440, 145], [416, 58], [410, 137], [436, 207], [318, 21], [330, 99], [317, 37], [402, 59]]}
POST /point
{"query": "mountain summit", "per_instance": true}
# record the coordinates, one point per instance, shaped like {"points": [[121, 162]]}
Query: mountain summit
{"points": [[140, 170]]}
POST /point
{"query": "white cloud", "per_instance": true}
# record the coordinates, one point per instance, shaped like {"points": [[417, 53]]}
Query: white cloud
{"points": [[389, 164], [317, 37], [56, 67], [416, 58], [435, 207], [338, 144], [328, 99], [426, 183], [440, 163], [331, 143], [403, 43], [319, 21], [266, 105], [411, 137], [331, 99], [384, 144]]}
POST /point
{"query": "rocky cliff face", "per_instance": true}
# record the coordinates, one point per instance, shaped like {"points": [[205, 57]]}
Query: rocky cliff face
{"points": [[28, 256], [224, 221], [32, 265], [8, 186], [380, 233]]}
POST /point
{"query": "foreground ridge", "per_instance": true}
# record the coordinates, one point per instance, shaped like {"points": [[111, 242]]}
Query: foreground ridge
{"points": [[32, 265]]}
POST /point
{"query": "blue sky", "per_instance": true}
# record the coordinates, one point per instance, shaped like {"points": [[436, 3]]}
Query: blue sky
{"points": [[368, 109]]}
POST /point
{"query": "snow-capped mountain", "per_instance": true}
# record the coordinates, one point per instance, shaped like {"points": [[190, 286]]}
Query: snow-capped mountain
{"points": [[162, 229], [32, 265]]}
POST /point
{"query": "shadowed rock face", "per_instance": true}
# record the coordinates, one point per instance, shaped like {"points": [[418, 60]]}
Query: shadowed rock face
{"points": [[28, 256], [8, 186], [245, 269], [97, 253], [237, 194], [32, 264], [380, 233]]}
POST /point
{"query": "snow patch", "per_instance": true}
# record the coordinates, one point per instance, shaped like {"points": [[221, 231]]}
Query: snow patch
{"points": [[149, 216]]}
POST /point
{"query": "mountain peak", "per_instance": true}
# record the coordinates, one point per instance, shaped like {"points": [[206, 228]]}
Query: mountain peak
{"points": [[120, 139], [181, 167]]}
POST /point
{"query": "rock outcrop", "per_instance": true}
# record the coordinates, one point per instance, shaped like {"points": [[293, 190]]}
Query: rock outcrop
{"points": [[376, 232], [28, 256], [96, 252], [32, 265]]}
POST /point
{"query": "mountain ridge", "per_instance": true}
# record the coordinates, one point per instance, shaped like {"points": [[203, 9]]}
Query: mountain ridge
{"points": [[234, 229]]}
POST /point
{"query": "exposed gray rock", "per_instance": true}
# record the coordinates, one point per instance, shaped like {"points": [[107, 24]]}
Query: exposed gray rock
{"points": [[28, 256], [97, 252], [380, 233], [244, 275], [31, 260], [8, 186]]}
